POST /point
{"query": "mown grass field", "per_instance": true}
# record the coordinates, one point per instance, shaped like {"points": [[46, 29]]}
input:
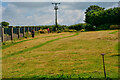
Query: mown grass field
{"points": [[76, 54]]}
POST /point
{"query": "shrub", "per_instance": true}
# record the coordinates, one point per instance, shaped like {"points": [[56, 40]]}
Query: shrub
{"points": [[66, 30], [115, 27], [76, 27], [89, 27], [4, 23], [72, 30], [82, 30], [4, 43], [103, 27], [59, 31], [41, 31], [45, 31]]}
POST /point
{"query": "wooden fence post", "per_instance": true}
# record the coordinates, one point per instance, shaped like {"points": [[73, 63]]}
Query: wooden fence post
{"points": [[23, 31], [27, 29], [35, 28], [2, 32], [31, 29], [103, 64], [11, 30], [18, 31]]}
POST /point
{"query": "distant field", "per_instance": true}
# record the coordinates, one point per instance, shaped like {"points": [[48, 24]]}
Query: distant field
{"points": [[51, 55]]}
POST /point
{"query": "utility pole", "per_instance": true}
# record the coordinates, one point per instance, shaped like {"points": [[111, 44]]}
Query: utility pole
{"points": [[56, 8]]}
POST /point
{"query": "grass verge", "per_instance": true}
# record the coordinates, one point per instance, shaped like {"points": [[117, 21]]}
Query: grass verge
{"points": [[29, 49]]}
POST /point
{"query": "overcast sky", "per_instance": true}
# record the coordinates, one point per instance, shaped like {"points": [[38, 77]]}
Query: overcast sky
{"points": [[42, 13]]}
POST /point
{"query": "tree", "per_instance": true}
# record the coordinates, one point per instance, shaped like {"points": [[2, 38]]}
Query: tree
{"points": [[103, 18], [4, 23], [94, 8]]}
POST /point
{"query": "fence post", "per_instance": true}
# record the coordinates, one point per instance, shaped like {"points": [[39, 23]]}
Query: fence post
{"points": [[2, 32], [18, 31], [31, 29], [11, 30], [27, 29], [23, 31], [103, 64], [35, 28]]}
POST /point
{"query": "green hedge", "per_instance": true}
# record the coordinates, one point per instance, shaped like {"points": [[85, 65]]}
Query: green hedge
{"points": [[115, 27]]}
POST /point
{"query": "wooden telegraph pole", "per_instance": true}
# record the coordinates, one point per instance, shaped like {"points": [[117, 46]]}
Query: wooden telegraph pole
{"points": [[56, 8]]}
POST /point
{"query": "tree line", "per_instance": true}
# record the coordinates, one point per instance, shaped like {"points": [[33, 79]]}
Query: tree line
{"points": [[101, 18]]}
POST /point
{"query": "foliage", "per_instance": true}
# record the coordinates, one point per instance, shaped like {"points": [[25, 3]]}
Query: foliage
{"points": [[115, 27], [100, 17], [81, 26], [76, 27], [82, 30], [41, 31], [62, 28], [94, 8], [72, 30], [89, 27], [53, 28], [103, 27], [4, 23]]}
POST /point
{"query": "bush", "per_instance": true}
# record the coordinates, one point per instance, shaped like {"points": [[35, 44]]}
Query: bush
{"points": [[66, 30], [82, 30], [63, 28], [41, 31], [59, 31], [115, 27], [72, 30], [45, 31], [4, 43], [76, 27], [4, 23], [103, 27], [89, 27], [82, 27]]}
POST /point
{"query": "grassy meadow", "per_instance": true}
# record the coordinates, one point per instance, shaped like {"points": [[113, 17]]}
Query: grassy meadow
{"points": [[66, 54]]}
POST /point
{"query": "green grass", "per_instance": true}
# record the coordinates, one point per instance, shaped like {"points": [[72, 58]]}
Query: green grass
{"points": [[113, 32], [6, 45], [11, 43], [69, 55], [117, 47], [38, 46]]}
